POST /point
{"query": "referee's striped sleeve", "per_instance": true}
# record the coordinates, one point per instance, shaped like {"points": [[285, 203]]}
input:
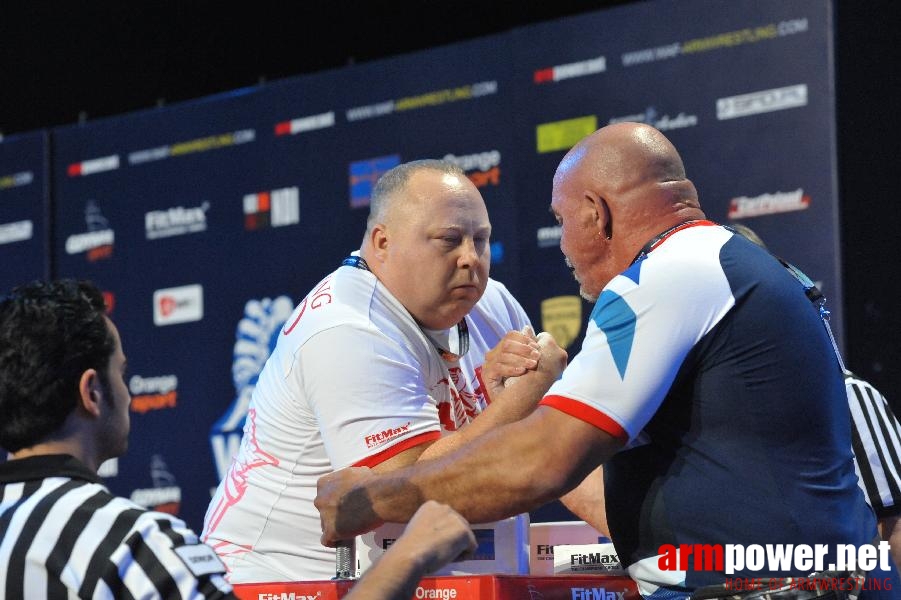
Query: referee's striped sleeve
{"points": [[147, 562], [876, 441], [60, 537]]}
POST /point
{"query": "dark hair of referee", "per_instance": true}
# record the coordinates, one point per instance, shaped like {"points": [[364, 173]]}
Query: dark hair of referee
{"points": [[54, 339]]}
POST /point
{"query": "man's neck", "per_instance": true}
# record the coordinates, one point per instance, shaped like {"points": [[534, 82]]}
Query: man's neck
{"points": [[60, 447]]}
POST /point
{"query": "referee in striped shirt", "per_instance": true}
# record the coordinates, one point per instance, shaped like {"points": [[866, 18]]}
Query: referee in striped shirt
{"points": [[64, 407], [876, 441]]}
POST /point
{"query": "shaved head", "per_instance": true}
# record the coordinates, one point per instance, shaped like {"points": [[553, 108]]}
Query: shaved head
{"points": [[625, 156], [618, 187]]}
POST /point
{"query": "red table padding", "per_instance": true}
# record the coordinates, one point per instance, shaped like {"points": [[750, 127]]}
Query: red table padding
{"points": [[463, 587]]}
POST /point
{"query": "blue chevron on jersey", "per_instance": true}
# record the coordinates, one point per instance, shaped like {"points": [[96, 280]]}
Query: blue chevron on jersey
{"points": [[613, 315]]}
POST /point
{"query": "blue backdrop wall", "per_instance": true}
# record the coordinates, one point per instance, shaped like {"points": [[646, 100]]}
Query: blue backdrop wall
{"points": [[206, 222], [24, 208]]}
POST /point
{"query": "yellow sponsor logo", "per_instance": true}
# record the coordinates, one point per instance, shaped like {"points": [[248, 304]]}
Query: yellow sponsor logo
{"points": [[730, 38], [16, 179], [563, 135], [463, 92], [561, 316], [203, 144]]}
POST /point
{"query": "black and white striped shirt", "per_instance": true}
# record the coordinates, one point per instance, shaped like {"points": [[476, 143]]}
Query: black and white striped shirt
{"points": [[63, 534], [876, 441]]}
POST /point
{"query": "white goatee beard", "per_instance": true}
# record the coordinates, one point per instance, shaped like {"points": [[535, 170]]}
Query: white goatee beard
{"points": [[582, 291]]}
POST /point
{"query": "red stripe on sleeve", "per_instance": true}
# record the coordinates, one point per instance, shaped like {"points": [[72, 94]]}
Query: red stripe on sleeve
{"points": [[375, 459], [590, 415]]}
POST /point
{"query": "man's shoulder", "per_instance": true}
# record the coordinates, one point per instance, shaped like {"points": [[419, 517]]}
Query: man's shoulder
{"points": [[342, 298]]}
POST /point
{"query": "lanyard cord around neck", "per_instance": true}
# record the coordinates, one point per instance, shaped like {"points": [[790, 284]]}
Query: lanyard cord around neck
{"points": [[818, 300], [358, 262], [813, 293]]}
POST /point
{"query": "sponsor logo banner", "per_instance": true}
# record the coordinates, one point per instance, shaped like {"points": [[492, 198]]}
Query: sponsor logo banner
{"points": [[561, 316], [17, 231], [165, 495], [255, 337], [204, 144], [661, 122], [99, 239], [16, 180], [303, 124], [94, 165], [497, 252], [109, 301], [153, 393], [364, 173], [433, 98], [570, 70], [548, 237], [178, 305], [482, 168], [175, 221], [768, 204], [729, 39], [763, 101], [275, 208], [595, 593], [563, 135]]}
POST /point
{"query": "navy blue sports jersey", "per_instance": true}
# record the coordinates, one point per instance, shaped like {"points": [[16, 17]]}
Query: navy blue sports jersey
{"points": [[706, 358]]}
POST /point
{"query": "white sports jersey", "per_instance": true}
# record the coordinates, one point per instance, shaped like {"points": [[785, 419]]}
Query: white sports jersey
{"points": [[353, 381]]}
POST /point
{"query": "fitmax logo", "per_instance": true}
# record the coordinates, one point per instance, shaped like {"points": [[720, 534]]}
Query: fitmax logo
{"points": [[596, 594], [595, 558], [383, 436]]}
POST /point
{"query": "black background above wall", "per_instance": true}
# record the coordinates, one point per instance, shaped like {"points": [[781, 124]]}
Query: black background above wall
{"points": [[61, 62]]}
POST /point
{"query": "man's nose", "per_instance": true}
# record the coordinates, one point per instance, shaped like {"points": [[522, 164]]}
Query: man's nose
{"points": [[469, 254]]}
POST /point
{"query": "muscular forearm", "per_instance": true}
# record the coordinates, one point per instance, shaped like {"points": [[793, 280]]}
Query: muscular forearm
{"points": [[511, 470], [508, 405], [587, 501]]}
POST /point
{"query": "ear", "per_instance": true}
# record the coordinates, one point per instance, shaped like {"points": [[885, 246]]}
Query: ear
{"points": [[601, 213], [90, 392], [378, 237]]}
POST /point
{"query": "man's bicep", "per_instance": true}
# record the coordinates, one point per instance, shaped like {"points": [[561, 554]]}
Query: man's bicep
{"points": [[402, 459]]}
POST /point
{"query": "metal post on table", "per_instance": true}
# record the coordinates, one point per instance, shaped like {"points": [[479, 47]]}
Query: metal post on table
{"points": [[346, 559]]}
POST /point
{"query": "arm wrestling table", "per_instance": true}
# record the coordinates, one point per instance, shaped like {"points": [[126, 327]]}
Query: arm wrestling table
{"points": [[463, 587]]}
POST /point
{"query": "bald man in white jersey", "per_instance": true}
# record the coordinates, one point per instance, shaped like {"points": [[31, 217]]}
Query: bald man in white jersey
{"points": [[381, 359]]}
